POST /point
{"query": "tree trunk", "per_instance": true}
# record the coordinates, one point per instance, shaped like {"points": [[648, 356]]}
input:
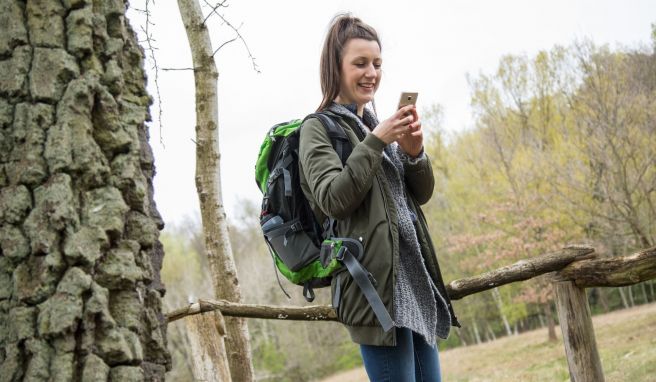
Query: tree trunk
{"points": [[643, 288], [477, 335], [206, 332], [491, 332], [499, 303], [551, 326], [603, 299], [624, 300], [208, 185], [578, 333], [80, 292]]}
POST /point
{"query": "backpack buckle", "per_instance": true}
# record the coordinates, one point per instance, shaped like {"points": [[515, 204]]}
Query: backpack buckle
{"points": [[340, 254]]}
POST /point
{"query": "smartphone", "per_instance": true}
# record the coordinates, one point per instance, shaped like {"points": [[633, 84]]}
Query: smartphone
{"points": [[407, 98]]}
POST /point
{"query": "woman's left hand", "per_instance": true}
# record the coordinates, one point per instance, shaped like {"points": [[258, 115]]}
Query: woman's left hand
{"points": [[413, 141]]}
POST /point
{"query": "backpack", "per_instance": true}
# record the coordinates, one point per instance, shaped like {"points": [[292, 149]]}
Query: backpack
{"points": [[304, 250]]}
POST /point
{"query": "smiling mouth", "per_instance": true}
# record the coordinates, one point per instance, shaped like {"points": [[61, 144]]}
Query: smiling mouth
{"points": [[367, 86]]}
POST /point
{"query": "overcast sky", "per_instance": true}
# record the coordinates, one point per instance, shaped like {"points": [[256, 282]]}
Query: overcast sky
{"points": [[427, 46]]}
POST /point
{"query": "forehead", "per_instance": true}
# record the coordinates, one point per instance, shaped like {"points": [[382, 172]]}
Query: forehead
{"points": [[359, 47]]}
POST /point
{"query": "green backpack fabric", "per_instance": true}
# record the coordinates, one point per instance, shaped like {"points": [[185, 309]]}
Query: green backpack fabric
{"points": [[304, 250], [290, 229]]}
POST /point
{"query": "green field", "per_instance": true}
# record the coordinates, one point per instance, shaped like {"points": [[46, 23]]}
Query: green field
{"points": [[626, 341]]}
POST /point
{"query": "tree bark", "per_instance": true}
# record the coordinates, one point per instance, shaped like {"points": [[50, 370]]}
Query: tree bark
{"points": [[643, 288], [491, 332], [477, 335], [613, 271], [551, 325], [578, 333], [625, 302], [208, 185], [206, 332], [519, 271], [229, 309], [80, 292], [603, 299], [499, 303]]}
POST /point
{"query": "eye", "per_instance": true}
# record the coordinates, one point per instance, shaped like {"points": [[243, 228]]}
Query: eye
{"points": [[360, 64]]}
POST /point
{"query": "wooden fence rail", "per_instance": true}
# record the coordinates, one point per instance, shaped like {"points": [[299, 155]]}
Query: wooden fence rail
{"points": [[571, 270]]}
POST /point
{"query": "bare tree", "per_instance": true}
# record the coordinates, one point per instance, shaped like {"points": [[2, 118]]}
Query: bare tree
{"points": [[208, 184], [80, 292]]}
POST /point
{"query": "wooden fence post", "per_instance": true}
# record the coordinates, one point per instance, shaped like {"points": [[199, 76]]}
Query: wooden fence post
{"points": [[206, 332], [578, 334]]}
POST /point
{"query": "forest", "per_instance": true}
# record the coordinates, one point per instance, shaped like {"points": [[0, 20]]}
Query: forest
{"points": [[563, 152]]}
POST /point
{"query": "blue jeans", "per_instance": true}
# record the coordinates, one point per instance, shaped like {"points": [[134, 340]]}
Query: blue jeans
{"points": [[412, 359]]}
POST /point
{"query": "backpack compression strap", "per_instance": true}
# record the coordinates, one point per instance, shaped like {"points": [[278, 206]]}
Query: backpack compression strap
{"points": [[366, 282]]}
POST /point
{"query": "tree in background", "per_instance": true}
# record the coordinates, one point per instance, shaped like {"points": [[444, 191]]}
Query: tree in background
{"points": [[80, 290], [563, 151]]}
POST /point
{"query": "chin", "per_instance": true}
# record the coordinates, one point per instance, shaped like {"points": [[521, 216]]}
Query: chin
{"points": [[366, 100]]}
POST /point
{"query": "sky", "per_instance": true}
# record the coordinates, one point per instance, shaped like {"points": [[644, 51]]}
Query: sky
{"points": [[428, 47]]}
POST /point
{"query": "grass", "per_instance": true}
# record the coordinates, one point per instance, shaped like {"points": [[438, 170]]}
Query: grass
{"points": [[626, 341]]}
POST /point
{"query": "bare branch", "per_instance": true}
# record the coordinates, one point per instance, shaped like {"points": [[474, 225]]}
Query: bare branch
{"points": [[611, 271], [309, 313], [151, 50], [222, 45], [218, 5], [225, 21], [457, 289], [176, 69]]}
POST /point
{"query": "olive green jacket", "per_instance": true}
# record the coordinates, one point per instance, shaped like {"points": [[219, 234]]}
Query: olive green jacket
{"points": [[358, 197]]}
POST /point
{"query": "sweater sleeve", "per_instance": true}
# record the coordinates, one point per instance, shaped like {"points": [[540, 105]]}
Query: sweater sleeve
{"points": [[418, 175], [338, 190]]}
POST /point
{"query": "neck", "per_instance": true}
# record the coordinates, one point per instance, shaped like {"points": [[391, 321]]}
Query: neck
{"points": [[359, 108]]}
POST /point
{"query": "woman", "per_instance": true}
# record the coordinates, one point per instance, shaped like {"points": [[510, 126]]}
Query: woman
{"points": [[375, 198]]}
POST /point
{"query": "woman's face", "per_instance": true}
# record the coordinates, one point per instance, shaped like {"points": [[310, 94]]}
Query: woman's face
{"points": [[361, 71]]}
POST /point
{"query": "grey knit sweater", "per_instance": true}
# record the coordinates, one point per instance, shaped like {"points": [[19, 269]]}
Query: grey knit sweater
{"points": [[418, 304]]}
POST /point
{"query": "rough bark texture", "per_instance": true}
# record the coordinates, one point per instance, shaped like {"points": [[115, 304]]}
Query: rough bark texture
{"points": [[519, 271], [230, 309], [80, 294], [578, 333], [208, 185], [614, 271], [208, 347]]}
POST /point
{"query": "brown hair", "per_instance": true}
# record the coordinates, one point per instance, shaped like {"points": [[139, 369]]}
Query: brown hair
{"points": [[343, 27]]}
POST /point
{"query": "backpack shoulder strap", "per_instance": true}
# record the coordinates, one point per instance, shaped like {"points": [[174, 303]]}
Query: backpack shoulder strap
{"points": [[336, 133]]}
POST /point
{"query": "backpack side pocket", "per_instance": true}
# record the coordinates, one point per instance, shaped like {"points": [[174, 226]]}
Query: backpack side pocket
{"points": [[291, 243]]}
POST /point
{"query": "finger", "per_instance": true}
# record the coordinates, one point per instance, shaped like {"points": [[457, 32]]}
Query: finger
{"points": [[416, 125], [414, 114], [404, 110]]}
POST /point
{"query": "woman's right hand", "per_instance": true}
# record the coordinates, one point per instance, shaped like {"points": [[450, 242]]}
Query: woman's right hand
{"points": [[395, 126]]}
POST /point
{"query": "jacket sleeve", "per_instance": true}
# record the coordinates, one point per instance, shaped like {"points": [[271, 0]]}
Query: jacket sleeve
{"points": [[338, 190], [418, 176]]}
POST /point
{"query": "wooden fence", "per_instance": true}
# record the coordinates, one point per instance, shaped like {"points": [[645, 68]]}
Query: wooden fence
{"points": [[571, 270]]}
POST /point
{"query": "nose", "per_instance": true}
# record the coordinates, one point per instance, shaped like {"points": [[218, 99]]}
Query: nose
{"points": [[371, 71]]}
